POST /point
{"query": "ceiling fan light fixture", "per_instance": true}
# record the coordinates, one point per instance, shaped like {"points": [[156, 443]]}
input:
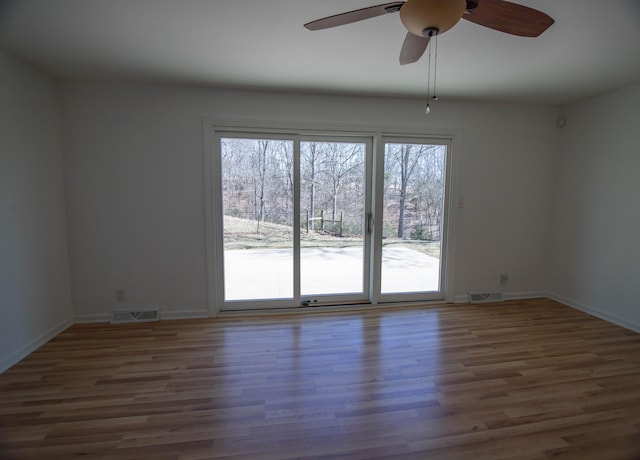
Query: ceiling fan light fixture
{"points": [[422, 16], [426, 19]]}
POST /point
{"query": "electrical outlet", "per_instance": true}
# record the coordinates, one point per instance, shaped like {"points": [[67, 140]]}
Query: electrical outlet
{"points": [[120, 295], [504, 278]]}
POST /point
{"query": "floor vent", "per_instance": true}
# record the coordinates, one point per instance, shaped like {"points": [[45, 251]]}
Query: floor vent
{"points": [[140, 316], [485, 297]]}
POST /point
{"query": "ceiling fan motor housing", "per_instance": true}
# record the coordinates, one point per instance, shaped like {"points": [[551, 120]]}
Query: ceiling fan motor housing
{"points": [[421, 17]]}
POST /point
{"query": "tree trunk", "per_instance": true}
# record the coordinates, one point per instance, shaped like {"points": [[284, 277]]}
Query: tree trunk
{"points": [[404, 178], [312, 186]]}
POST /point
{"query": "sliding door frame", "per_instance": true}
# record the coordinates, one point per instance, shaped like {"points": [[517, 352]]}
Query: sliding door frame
{"points": [[255, 304], [419, 296], [212, 129], [369, 156]]}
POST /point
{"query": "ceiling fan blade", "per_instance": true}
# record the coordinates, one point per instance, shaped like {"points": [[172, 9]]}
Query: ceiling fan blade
{"points": [[413, 48], [354, 16], [508, 17]]}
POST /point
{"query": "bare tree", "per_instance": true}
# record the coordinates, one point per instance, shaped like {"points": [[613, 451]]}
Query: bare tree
{"points": [[260, 155], [407, 157], [284, 184], [342, 161], [257, 183], [311, 164]]}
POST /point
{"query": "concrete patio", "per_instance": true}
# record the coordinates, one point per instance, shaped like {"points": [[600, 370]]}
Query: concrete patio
{"points": [[268, 273]]}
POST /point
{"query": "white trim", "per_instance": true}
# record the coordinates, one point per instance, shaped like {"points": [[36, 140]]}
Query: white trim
{"points": [[297, 127], [164, 314], [96, 318], [593, 311], [184, 314], [464, 298], [331, 309], [452, 214], [376, 207], [297, 261], [209, 218], [525, 295], [26, 350]]}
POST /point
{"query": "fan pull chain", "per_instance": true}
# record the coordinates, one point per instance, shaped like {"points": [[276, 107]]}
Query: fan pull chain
{"points": [[428, 109], [431, 97], [435, 71]]}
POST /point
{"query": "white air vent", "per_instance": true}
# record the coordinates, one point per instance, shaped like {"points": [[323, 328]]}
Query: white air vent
{"points": [[485, 297], [139, 316]]}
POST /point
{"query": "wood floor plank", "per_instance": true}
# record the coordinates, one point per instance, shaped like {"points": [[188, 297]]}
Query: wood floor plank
{"points": [[530, 379]]}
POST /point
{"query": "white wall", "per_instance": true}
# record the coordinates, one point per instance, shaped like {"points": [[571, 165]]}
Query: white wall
{"points": [[134, 169], [596, 244], [133, 157], [35, 300]]}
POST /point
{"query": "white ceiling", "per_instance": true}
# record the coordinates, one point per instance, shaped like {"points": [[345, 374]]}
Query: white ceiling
{"points": [[593, 47]]}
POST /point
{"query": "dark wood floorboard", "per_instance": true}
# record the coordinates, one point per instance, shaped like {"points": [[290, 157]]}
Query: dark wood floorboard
{"points": [[514, 380]]}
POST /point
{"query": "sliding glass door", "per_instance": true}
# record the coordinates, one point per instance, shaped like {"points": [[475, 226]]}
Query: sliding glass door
{"points": [[258, 218], [305, 220], [293, 220], [334, 254], [413, 196]]}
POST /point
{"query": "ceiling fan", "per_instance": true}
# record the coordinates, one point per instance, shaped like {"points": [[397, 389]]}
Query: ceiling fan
{"points": [[427, 18]]}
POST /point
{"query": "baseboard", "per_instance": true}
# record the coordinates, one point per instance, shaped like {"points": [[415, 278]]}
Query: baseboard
{"points": [[593, 311], [25, 351], [464, 298], [164, 314], [99, 318], [524, 295], [184, 314]]}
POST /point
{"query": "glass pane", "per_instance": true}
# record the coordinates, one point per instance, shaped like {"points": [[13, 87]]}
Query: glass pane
{"points": [[413, 209], [257, 186], [332, 197]]}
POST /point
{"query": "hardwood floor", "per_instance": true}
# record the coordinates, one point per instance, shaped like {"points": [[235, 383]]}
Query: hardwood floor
{"points": [[516, 380]]}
